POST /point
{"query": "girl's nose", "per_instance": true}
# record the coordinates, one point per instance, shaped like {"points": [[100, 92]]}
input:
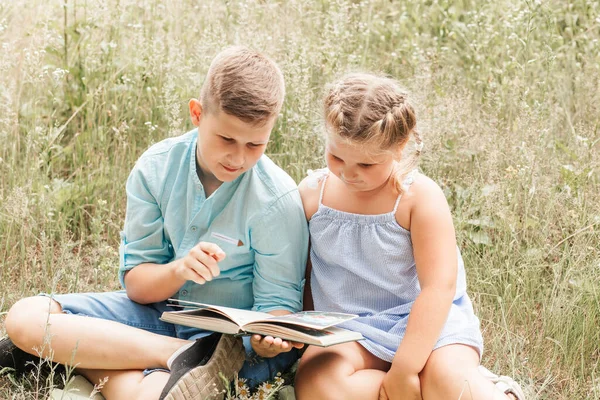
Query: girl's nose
{"points": [[349, 174]]}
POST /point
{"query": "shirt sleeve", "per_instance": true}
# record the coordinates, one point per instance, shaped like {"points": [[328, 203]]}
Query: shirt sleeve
{"points": [[142, 239], [280, 242]]}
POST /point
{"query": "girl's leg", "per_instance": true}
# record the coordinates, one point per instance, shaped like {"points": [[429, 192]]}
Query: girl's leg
{"points": [[128, 385], [345, 371], [38, 324], [452, 372]]}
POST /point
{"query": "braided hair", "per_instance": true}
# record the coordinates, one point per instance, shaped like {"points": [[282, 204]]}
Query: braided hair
{"points": [[368, 109]]}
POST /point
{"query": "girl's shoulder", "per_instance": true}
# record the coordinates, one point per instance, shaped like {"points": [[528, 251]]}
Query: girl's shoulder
{"points": [[310, 190], [422, 194], [418, 185]]}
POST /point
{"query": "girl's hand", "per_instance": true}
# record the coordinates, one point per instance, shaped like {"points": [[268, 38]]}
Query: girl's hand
{"points": [[397, 385], [268, 346], [200, 264]]}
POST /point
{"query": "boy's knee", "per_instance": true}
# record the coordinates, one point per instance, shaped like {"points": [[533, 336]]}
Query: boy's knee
{"points": [[25, 316]]}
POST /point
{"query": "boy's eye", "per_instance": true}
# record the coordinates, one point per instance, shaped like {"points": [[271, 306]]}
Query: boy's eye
{"points": [[253, 145], [365, 165], [336, 158], [227, 139]]}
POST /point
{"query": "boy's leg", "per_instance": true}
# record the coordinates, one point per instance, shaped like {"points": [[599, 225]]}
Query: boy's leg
{"points": [[452, 372], [201, 369], [128, 385], [114, 342], [198, 371], [344, 371], [23, 363], [257, 369]]}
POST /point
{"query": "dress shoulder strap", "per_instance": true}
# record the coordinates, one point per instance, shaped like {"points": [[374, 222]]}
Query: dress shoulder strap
{"points": [[397, 203], [313, 179], [408, 180], [322, 189]]}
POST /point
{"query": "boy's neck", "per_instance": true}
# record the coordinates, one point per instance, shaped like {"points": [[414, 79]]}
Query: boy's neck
{"points": [[209, 181]]}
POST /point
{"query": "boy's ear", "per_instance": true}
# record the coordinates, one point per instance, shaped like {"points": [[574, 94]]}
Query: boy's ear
{"points": [[195, 111]]}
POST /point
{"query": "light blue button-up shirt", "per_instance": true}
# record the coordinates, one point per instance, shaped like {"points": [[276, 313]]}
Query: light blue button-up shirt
{"points": [[168, 214]]}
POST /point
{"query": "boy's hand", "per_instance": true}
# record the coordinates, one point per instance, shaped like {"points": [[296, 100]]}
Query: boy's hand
{"points": [[200, 264], [268, 346]]}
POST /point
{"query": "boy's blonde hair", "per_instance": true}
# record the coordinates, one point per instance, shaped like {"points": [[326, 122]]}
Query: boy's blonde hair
{"points": [[243, 83], [367, 109]]}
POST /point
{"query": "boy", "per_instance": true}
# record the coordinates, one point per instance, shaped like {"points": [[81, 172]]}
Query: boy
{"points": [[185, 195]]}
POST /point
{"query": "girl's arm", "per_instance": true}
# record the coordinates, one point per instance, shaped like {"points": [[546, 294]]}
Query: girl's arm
{"points": [[434, 247]]}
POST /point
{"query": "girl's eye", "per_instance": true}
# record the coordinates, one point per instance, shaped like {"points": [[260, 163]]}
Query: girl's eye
{"points": [[365, 165], [336, 158], [227, 139], [253, 145]]}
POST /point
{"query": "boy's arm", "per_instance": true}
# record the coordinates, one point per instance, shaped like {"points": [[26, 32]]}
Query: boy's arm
{"points": [[280, 242], [309, 193], [146, 268], [199, 265], [307, 298], [279, 239], [139, 279]]}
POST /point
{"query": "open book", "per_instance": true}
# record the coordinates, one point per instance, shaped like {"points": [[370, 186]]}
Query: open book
{"points": [[310, 327]]}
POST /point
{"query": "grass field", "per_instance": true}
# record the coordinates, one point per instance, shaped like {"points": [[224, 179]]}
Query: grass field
{"points": [[508, 103]]}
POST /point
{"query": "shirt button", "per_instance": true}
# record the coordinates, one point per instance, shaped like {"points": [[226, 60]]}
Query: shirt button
{"points": [[184, 292], [194, 228]]}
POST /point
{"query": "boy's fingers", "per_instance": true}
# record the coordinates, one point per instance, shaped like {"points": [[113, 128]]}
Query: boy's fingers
{"points": [[276, 345], [214, 269], [212, 250], [205, 264], [191, 275], [201, 270], [268, 341], [210, 261], [261, 341], [256, 338]]}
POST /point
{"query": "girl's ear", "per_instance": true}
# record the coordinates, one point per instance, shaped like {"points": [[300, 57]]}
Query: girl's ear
{"points": [[397, 152], [195, 111]]}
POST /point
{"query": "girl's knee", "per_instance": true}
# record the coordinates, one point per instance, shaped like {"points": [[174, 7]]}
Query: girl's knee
{"points": [[26, 316], [449, 369], [316, 389], [313, 382]]}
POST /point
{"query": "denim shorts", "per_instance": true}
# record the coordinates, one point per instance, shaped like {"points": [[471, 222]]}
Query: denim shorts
{"points": [[116, 306]]}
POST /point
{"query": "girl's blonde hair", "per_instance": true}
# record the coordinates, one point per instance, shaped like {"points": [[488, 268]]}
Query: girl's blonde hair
{"points": [[367, 109]]}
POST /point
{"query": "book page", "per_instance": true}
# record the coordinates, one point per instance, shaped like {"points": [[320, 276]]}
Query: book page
{"points": [[319, 337], [312, 319], [240, 317], [202, 318]]}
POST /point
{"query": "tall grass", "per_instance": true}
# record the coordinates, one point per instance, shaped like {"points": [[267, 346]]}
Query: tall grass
{"points": [[508, 99]]}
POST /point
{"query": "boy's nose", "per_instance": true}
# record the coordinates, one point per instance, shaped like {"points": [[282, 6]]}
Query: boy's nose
{"points": [[236, 159]]}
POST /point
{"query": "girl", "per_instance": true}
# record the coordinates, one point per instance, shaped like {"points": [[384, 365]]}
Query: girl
{"points": [[383, 247]]}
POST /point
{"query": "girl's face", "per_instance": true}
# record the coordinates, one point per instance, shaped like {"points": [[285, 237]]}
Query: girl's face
{"points": [[361, 167]]}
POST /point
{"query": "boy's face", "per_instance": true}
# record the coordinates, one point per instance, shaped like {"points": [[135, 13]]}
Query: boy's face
{"points": [[227, 146]]}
